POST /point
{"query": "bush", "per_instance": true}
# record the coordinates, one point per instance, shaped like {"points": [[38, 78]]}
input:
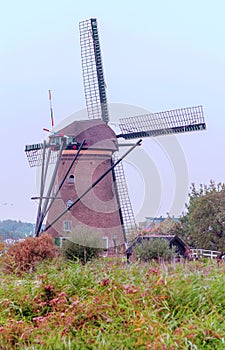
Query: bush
{"points": [[154, 249], [74, 251], [83, 244], [23, 256]]}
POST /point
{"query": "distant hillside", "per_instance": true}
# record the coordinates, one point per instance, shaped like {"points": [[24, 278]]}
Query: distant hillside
{"points": [[15, 229]]}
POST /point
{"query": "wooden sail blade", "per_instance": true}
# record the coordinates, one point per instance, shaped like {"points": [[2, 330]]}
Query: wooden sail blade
{"points": [[93, 76], [163, 123]]}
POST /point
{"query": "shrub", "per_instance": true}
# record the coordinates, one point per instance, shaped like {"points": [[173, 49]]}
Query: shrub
{"points": [[75, 251], [83, 244], [23, 256], [154, 249], [2, 247]]}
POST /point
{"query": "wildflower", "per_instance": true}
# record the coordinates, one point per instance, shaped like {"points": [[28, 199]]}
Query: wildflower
{"points": [[131, 289], [49, 287], [105, 282], [43, 303], [74, 303], [38, 320], [54, 301]]}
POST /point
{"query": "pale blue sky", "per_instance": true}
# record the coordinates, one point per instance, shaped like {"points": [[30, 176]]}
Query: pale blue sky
{"points": [[158, 55]]}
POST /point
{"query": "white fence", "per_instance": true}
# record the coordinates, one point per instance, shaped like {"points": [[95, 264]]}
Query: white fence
{"points": [[203, 253]]}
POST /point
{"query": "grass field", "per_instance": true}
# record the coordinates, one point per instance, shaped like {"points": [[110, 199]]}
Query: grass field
{"points": [[107, 305]]}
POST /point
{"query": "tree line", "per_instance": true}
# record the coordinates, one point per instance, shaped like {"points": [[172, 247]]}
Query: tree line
{"points": [[203, 223], [13, 229]]}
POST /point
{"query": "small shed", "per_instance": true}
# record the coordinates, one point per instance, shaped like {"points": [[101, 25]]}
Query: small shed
{"points": [[174, 241]]}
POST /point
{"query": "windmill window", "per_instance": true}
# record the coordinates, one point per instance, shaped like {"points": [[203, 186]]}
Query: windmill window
{"points": [[67, 225], [71, 179], [69, 203], [55, 140], [105, 243]]}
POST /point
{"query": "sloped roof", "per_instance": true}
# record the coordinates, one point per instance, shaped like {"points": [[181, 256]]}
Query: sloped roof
{"points": [[95, 132], [172, 239]]}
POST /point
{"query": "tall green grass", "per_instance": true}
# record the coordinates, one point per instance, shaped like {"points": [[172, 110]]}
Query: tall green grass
{"points": [[108, 305]]}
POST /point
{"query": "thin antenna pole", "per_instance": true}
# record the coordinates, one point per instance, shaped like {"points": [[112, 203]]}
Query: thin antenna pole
{"points": [[51, 109]]}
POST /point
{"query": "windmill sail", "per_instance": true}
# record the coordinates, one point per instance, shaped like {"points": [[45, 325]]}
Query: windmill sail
{"points": [[35, 154], [126, 210], [163, 123], [93, 76]]}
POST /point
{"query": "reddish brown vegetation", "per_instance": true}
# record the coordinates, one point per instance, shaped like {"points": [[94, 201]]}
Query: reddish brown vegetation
{"points": [[23, 256]]}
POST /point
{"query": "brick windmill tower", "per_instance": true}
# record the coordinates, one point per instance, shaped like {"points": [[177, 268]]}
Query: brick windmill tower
{"points": [[87, 188]]}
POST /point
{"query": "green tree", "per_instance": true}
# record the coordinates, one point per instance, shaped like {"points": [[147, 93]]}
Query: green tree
{"points": [[83, 244], [169, 226], [204, 224], [154, 249]]}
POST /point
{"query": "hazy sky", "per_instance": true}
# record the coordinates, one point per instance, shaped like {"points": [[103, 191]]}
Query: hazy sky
{"points": [[158, 55]]}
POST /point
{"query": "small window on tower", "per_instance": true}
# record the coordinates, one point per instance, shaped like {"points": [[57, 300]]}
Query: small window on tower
{"points": [[105, 243], [53, 140], [69, 203], [67, 225], [71, 179]]}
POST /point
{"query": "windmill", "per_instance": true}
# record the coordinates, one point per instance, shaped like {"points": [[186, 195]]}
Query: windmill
{"points": [[87, 186]]}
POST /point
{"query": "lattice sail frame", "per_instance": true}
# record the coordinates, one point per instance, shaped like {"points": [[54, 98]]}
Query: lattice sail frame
{"points": [[163, 123], [35, 154], [93, 76], [125, 206]]}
